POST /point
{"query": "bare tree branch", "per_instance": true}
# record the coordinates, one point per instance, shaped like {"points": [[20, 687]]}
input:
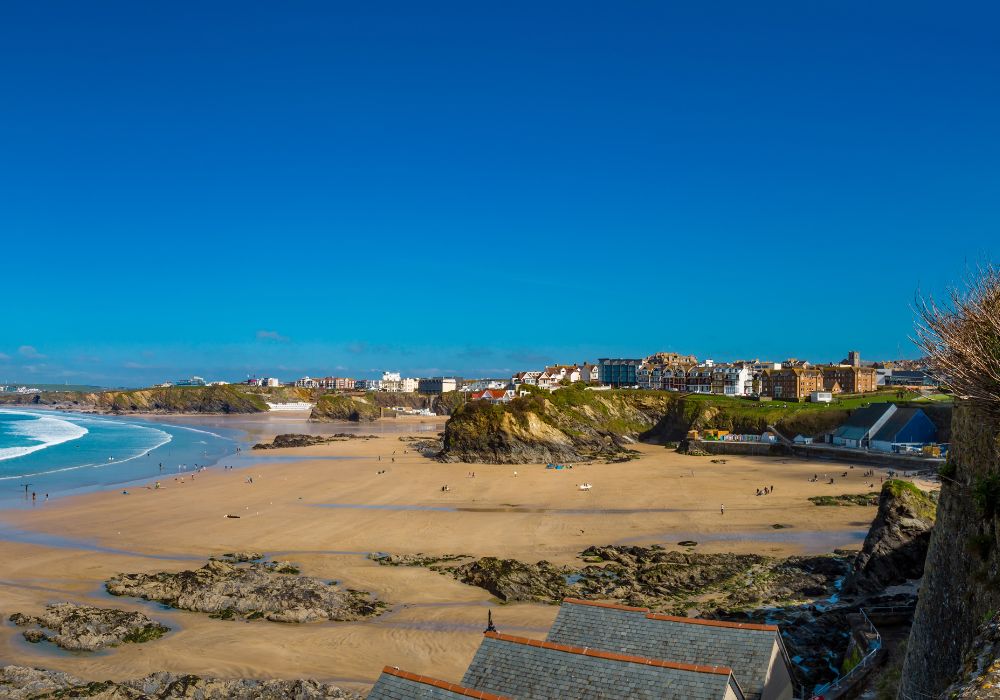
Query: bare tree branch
{"points": [[961, 337]]}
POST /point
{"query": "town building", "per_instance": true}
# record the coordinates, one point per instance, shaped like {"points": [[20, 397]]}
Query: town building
{"points": [[619, 372], [368, 385], [395, 382], [530, 378], [560, 373], [862, 424], [596, 650], [437, 385], [907, 428], [306, 383], [849, 379], [493, 395], [790, 383], [755, 653], [699, 380], [732, 380], [192, 381], [910, 377], [483, 384]]}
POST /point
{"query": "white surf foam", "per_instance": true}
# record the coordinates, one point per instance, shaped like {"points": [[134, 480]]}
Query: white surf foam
{"points": [[46, 430], [163, 437]]}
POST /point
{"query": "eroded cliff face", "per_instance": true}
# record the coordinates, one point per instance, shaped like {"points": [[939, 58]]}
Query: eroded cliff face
{"points": [[896, 546], [961, 584], [569, 425]]}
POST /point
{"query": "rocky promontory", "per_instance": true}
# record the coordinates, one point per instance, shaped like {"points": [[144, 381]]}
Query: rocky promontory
{"points": [[331, 407], [22, 683], [272, 591], [574, 423], [86, 628], [896, 545]]}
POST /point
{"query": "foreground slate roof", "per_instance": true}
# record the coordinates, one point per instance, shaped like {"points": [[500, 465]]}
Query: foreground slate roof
{"points": [[528, 669], [745, 648], [394, 684]]}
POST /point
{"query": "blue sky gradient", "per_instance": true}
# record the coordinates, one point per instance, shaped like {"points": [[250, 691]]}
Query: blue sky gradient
{"points": [[339, 188]]}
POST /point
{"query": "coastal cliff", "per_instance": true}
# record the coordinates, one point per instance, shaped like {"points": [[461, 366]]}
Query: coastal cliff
{"points": [[571, 424], [332, 407], [574, 423], [961, 584], [228, 398]]}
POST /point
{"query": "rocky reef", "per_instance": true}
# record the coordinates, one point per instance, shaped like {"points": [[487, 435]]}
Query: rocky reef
{"points": [[271, 591], [22, 683], [86, 628], [299, 440], [651, 577], [896, 545]]}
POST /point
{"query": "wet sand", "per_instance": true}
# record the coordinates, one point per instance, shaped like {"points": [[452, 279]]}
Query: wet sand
{"points": [[327, 507]]}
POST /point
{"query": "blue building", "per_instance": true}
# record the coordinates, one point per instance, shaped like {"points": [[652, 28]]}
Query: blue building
{"points": [[906, 427], [618, 371]]}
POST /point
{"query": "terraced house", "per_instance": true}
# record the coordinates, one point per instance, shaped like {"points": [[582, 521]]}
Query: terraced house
{"points": [[603, 650]]}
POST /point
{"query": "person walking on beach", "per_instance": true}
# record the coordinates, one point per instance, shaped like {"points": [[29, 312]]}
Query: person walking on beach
{"points": [[722, 509]]}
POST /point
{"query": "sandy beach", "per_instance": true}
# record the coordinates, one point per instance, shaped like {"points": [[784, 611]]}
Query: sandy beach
{"points": [[326, 507]]}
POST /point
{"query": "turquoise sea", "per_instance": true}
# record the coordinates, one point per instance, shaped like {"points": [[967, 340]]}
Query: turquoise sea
{"points": [[58, 453]]}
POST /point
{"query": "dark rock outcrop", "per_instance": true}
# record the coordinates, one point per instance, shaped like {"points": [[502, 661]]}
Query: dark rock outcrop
{"points": [[299, 440], [647, 576], [896, 545], [21, 683], [86, 628], [271, 591]]}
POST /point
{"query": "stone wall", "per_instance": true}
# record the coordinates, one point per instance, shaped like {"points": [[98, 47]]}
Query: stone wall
{"points": [[961, 584]]}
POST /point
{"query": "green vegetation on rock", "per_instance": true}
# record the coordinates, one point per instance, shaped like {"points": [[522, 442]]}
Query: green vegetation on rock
{"points": [[225, 398], [847, 499], [574, 423], [345, 407]]}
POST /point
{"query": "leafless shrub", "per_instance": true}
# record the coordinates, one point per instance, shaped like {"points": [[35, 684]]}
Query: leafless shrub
{"points": [[961, 337]]}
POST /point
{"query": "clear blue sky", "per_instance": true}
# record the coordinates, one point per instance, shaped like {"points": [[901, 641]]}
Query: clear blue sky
{"points": [[339, 188]]}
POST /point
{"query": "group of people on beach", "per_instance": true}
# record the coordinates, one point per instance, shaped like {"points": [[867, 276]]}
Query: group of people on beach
{"points": [[766, 491]]}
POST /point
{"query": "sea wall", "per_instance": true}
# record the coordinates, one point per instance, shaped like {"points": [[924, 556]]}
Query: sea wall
{"points": [[725, 447]]}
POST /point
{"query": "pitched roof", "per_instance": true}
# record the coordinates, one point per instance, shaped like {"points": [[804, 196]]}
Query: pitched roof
{"points": [[395, 684], [535, 670], [897, 421], [862, 420], [746, 648]]}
